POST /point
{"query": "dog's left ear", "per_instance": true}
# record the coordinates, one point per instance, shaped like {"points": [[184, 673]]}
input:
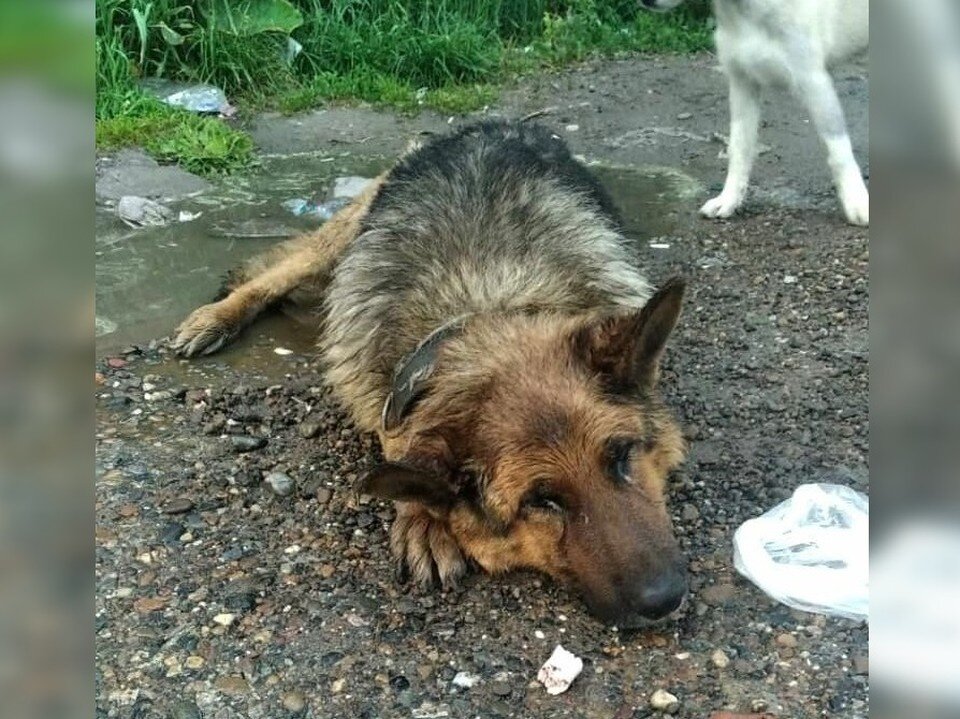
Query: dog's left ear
{"points": [[626, 349], [406, 483]]}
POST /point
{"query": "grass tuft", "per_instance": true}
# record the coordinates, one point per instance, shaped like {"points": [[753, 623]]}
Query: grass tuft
{"points": [[297, 54]]}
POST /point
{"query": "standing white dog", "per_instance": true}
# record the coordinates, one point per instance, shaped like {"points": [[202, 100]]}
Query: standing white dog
{"points": [[789, 43]]}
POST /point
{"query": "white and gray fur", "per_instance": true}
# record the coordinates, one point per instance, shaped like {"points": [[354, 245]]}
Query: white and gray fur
{"points": [[498, 218], [789, 43]]}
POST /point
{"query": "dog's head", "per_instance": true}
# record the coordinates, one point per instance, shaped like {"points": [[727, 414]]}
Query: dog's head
{"points": [[660, 5], [544, 444]]}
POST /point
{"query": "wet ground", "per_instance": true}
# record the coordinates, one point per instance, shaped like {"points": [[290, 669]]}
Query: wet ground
{"points": [[236, 577]]}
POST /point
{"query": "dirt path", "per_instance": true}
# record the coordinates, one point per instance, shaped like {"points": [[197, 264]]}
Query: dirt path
{"points": [[221, 594]]}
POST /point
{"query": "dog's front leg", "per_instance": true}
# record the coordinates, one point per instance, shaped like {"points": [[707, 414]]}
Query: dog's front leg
{"points": [[744, 123], [818, 94]]}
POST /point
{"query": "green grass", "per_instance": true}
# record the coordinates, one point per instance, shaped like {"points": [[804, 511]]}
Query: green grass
{"points": [[444, 54]]}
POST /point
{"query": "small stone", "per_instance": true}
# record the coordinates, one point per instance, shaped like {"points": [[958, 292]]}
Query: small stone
{"points": [[718, 594], [786, 640], [150, 604], [465, 680], [178, 506], [281, 483], [243, 443], [663, 700], [185, 710], [689, 513], [309, 428], [194, 662], [323, 495], [861, 664], [293, 702], [719, 659], [327, 570], [338, 685], [225, 619], [684, 115], [501, 689], [572, 128], [234, 686], [116, 362], [425, 671], [399, 683]]}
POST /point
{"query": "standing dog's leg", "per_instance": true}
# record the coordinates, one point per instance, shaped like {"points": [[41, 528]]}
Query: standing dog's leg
{"points": [[744, 123], [272, 277], [818, 94]]}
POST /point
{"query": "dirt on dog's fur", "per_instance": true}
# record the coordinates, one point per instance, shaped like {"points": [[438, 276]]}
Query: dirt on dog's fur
{"points": [[534, 436]]}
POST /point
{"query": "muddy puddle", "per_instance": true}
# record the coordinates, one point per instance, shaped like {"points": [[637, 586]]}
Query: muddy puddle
{"points": [[148, 279]]}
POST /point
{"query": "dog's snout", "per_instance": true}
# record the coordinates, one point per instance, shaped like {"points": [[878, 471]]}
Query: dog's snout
{"points": [[657, 598]]}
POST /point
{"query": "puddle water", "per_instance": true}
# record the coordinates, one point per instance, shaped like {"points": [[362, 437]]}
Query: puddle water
{"points": [[149, 279]]}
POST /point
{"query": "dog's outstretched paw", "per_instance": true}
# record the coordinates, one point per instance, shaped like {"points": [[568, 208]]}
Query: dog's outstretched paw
{"points": [[425, 549], [206, 330], [720, 207]]}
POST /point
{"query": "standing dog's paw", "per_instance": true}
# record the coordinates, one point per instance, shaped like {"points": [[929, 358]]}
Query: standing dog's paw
{"points": [[206, 330], [425, 548], [856, 204], [720, 207]]}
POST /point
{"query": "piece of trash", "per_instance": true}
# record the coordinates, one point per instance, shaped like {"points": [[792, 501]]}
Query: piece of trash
{"points": [[559, 671], [188, 216], [282, 351], [204, 99], [139, 212], [811, 551], [293, 49], [659, 245], [465, 680], [104, 326], [324, 211], [349, 187]]}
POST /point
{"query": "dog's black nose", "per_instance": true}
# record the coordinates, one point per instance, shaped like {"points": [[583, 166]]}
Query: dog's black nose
{"points": [[661, 596]]}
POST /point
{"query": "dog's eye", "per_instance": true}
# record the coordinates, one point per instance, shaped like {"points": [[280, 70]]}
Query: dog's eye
{"points": [[543, 500], [618, 459]]}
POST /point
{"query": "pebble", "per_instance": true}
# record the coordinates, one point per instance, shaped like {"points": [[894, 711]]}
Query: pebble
{"points": [[717, 594], [861, 664], [338, 685], [185, 710], [234, 686], [194, 662], [719, 659], [324, 495], [280, 483], [662, 700], [501, 689], [293, 702], [684, 115], [225, 619], [309, 428], [178, 506], [465, 680], [243, 443], [786, 640]]}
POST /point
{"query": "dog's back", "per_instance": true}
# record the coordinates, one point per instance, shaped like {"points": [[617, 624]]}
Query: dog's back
{"points": [[497, 218]]}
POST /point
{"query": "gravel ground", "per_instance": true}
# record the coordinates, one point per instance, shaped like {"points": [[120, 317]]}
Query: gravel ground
{"points": [[237, 577]]}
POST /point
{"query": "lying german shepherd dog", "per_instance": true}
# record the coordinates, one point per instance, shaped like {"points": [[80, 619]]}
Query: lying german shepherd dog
{"points": [[483, 315]]}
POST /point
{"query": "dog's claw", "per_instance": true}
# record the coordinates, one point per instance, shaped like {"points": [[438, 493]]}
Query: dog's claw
{"points": [[205, 331], [425, 549], [720, 207]]}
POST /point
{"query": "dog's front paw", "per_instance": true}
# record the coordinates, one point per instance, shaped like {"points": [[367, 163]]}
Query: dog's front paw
{"points": [[721, 206], [207, 329], [425, 548], [856, 203]]}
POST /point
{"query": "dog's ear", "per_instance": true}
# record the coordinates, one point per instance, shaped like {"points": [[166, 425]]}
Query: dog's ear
{"points": [[626, 349], [406, 483]]}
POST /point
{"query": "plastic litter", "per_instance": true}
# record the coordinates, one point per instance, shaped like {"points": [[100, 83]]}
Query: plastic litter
{"points": [[811, 551], [559, 671], [349, 186], [323, 211], [140, 212], [195, 98]]}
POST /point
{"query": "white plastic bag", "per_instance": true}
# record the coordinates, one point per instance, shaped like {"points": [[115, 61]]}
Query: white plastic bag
{"points": [[811, 552]]}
